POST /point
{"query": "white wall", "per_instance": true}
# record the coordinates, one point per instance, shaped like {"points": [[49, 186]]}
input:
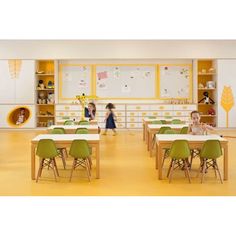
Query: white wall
{"points": [[117, 49], [226, 77]]}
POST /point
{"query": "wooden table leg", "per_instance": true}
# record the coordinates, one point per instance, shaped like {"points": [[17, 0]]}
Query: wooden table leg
{"points": [[159, 162], [148, 140], [144, 132], [97, 161], [157, 155], [226, 162], [32, 161], [151, 144]]}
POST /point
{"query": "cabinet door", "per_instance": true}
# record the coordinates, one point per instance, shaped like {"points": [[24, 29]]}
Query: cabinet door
{"points": [[7, 84], [25, 83]]}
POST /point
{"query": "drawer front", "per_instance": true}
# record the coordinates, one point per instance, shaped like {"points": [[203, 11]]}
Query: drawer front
{"points": [[120, 113], [181, 113], [137, 107], [120, 125], [132, 114], [167, 113], [134, 125], [68, 107], [120, 119], [185, 107], [132, 119], [163, 107]]}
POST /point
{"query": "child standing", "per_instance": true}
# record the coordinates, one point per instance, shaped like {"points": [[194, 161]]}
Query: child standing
{"points": [[198, 128], [110, 119]]}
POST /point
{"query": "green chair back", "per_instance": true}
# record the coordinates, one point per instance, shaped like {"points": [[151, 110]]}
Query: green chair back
{"points": [[163, 129], [184, 130], [69, 122], [170, 131], [151, 117], [176, 121], [156, 122], [79, 149], [81, 131], [58, 131], [211, 149], [83, 122], [168, 117], [46, 149], [163, 122], [179, 149]]}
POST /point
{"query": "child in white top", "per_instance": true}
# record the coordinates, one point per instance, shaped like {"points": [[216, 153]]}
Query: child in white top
{"points": [[21, 117]]}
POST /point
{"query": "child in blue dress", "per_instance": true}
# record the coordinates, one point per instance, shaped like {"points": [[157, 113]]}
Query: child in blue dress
{"points": [[110, 119]]}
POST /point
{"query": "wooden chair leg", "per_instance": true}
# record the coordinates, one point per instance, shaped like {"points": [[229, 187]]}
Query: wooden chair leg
{"points": [[187, 170], [63, 157], [40, 170], [55, 164], [217, 168], [90, 162], [87, 170], [72, 169], [200, 168], [203, 169], [171, 170], [168, 173], [54, 171]]}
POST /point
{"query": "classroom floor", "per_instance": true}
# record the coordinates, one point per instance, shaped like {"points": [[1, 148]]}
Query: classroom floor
{"points": [[126, 170]]}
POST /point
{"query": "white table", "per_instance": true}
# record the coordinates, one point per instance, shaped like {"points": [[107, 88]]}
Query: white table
{"points": [[70, 129], [152, 129], [65, 140], [195, 142]]}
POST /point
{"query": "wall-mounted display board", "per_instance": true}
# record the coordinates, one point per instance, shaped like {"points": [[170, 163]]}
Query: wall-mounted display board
{"points": [[74, 79], [126, 81], [175, 81]]}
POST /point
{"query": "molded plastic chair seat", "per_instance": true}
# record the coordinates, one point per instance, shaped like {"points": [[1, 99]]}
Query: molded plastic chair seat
{"points": [[83, 122], [179, 152], [47, 151], [210, 151], [176, 121], [184, 130], [69, 122], [79, 150], [156, 122]]}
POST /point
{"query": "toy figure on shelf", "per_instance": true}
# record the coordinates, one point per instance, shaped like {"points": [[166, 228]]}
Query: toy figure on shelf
{"points": [[42, 97], [82, 98], [206, 99], [50, 99], [41, 84], [211, 112], [50, 85]]}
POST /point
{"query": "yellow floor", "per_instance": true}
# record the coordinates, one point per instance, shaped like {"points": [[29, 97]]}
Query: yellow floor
{"points": [[126, 170]]}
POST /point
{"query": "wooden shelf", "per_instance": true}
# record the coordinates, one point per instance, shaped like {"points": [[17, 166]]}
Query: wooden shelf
{"points": [[46, 116], [45, 104], [206, 89], [213, 116], [202, 104], [48, 89], [206, 73], [44, 74]]}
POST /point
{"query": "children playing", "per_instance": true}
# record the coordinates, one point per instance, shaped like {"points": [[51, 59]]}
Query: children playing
{"points": [[198, 128], [110, 119], [21, 117]]}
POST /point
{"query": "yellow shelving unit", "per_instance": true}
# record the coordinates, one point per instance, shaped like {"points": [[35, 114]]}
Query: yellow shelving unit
{"points": [[207, 76], [45, 100]]}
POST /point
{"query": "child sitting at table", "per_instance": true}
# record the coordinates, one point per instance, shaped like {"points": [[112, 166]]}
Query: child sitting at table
{"points": [[196, 127]]}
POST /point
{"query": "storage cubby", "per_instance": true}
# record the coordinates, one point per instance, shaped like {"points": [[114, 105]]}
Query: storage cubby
{"points": [[207, 88], [45, 93]]}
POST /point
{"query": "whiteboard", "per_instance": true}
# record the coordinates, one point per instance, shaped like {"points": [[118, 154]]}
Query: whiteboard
{"points": [[175, 81], [125, 81], [74, 80]]}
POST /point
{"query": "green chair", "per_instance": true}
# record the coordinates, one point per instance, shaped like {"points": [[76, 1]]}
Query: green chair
{"points": [[79, 150], [164, 122], [179, 152], [69, 122], [151, 117], [83, 122], [62, 151], [168, 117], [184, 130], [160, 131], [176, 121], [156, 122], [47, 151], [170, 131], [81, 131], [210, 151]]}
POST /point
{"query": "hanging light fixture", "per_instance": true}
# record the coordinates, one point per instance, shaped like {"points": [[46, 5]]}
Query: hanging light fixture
{"points": [[14, 68]]}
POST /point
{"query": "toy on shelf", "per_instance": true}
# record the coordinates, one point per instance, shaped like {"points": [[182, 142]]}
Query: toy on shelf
{"points": [[200, 86], [206, 99], [211, 111], [83, 100], [50, 85], [42, 97], [50, 99], [212, 70], [210, 84], [41, 84]]}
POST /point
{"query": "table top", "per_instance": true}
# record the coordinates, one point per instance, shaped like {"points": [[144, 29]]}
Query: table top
{"points": [[72, 127], [149, 119], [67, 137], [188, 137], [172, 126]]}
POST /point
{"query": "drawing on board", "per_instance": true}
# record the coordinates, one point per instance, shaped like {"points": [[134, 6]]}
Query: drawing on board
{"points": [[74, 79], [175, 81], [125, 81]]}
